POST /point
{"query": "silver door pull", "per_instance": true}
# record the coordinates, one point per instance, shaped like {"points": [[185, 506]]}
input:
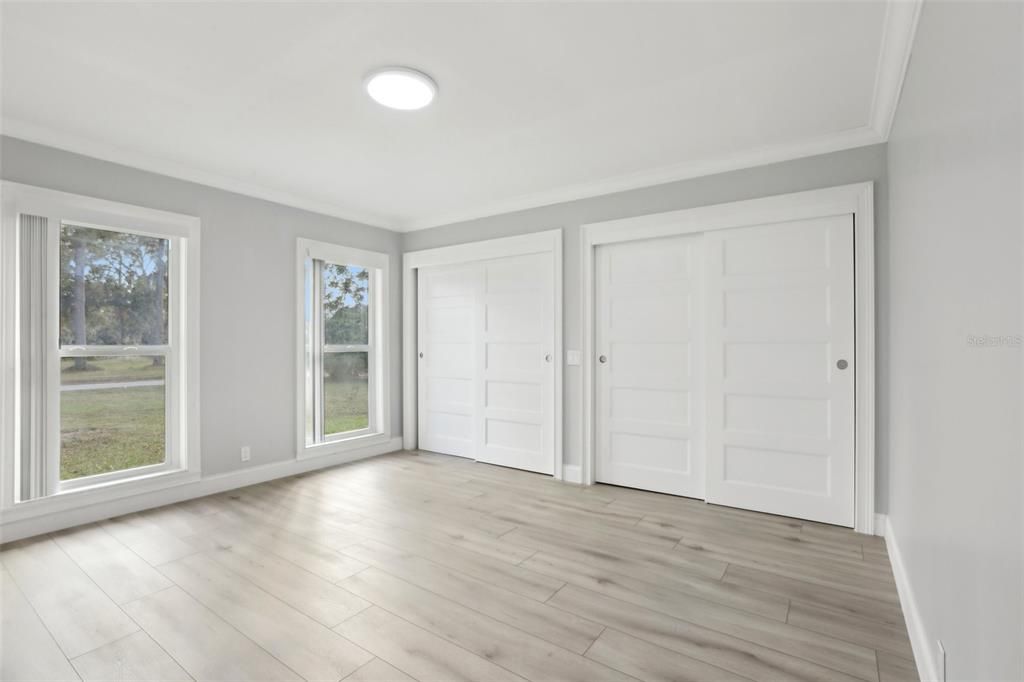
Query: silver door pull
{"points": [[842, 364], [602, 359], [421, 354], [547, 358]]}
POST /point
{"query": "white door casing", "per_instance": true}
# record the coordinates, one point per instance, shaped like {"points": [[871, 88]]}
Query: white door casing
{"points": [[856, 200], [649, 393], [780, 400], [448, 341]]}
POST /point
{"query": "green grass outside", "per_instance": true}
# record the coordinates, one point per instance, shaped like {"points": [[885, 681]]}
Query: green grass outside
{"points": [[110, 430], [345, 406], [104, 370], [122, 428]]}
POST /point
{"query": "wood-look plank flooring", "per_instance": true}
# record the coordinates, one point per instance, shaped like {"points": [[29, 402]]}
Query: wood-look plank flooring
{"points": [[417, 566]]}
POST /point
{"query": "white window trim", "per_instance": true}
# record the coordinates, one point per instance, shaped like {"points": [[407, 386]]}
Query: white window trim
{"points": [[15, 199], [379, 390]]}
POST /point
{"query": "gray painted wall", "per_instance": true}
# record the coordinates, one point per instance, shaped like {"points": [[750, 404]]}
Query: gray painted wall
{"points": [[247, 308], [248, 344], [956, 187], [839, 168]]}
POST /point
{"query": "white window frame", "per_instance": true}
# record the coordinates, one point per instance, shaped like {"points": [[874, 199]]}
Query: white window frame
{"points": [[310, 348], [182, 462]]}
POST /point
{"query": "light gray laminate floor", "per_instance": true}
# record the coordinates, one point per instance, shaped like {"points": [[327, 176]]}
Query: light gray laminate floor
{"points": [[427, 567]]}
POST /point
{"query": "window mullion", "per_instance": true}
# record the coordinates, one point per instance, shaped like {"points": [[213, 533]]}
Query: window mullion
{"points": [[371, 356], [317, 341], [113, 351], [175, 451], [50, 447]]}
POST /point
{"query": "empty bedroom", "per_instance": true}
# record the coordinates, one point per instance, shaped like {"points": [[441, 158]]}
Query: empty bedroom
{"points": [[512, 340]]}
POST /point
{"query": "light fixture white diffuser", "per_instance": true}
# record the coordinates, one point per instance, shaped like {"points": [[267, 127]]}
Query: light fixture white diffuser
{"points": [[398, 87]]}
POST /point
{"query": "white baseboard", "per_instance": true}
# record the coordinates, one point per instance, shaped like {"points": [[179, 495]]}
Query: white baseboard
{"points": [[572, 473], [924, 655], [207, 485]]}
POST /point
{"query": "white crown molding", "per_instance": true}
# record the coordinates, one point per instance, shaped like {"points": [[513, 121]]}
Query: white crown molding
{"points": [[898, 31], [833, 142], [901, 17], [32, 132]]}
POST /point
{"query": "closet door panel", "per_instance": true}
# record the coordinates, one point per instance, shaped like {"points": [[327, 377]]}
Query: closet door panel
{"points": [[648, 387], [448, 342], [780, 398], [515, 356]]}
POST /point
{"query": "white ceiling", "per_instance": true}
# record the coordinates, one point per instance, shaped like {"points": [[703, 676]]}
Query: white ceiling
{"points": [[538, 102]]}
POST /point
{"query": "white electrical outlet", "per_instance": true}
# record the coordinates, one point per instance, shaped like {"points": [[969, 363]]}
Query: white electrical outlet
{"points": [[246, 453], [572, 357], [940, 663]]}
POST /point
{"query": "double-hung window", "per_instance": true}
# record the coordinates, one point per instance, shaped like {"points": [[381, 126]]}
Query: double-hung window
{"points": [[116, 354], [342, 358], [100, 300]]}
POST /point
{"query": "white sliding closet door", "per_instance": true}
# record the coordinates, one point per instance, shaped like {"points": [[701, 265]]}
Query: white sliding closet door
{"points": [[780, 374], [648, 379], [517, 393], [447, 323], [486, 361]]}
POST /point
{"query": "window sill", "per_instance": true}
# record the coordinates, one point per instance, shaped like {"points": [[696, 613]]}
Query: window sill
{"points": [[333, 447], [98, 494], [115, 478]]}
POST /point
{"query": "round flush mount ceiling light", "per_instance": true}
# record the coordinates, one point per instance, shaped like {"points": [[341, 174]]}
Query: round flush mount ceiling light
{"points": [[399, 87]]}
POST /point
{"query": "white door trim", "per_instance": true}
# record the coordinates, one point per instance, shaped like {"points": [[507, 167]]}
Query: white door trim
{"points": [[857, 199], [549, 241]]}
